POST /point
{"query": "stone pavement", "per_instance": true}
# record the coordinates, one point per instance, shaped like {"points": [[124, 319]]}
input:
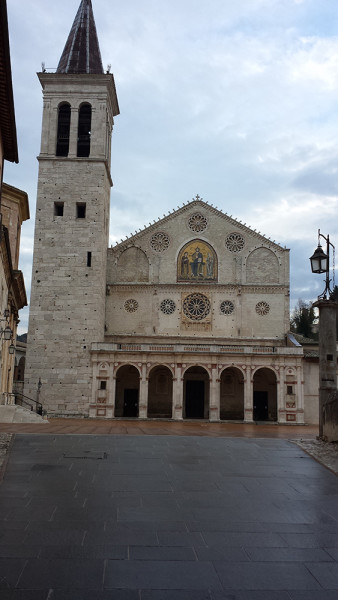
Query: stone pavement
{"points": [[166, 518], [162, 427]]}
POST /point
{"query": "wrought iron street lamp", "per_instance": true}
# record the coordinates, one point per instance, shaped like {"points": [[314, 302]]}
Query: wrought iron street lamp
{"points": [[327, 306], [320, 263]]}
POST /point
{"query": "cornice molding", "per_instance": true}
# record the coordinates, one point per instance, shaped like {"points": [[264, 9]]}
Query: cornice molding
{"points": [[237, 290], [196, 204]]}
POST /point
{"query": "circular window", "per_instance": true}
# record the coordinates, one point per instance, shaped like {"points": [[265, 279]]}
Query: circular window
{"points": [[196, 307], [131, 305], [227, 307], [159, 241], [235, 242], [197, 222], [262, 308], [168, 306]]}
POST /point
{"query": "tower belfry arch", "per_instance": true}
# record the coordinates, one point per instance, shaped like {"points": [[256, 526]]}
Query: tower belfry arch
{"points": [[67, 308]]}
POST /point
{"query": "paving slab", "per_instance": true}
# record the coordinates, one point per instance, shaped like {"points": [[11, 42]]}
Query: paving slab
{"points": [[166, 518]]}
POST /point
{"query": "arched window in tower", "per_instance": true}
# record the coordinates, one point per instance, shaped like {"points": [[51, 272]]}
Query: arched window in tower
{"points": [[62, 144], [84, 130]]}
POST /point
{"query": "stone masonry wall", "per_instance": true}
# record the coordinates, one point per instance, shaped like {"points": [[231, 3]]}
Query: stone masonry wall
{"points": [[259, 305], [70, 249], [68, 297]]}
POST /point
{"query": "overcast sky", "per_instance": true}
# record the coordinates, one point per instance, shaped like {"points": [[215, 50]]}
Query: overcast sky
{"points": [[234, 101]]}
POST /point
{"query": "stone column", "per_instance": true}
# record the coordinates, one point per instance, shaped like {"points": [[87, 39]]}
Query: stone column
{"points": [[248, 396], [74, 116], [215, 390], [300, 395], [111, 397], [143, 399], [281, 412], [92, 407], [50, 116], [94, 386], [178, 394], [327, 354]]}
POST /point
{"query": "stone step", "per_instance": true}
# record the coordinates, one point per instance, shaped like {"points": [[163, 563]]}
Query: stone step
{"points": [[18, 414]]}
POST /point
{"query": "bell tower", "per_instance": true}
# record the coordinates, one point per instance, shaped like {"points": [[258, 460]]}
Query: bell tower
{"points": [[67, 304]]}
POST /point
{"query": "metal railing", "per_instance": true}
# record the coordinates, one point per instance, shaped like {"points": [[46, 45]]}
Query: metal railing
{"points": [[28, 403]]}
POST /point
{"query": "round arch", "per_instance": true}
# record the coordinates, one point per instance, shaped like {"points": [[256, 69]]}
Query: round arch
{"points": [[196, 365], [84, 130], [155, 365], [196, 393], [127, 391], [232, 394], [264, 394], [126, 364], [262, 266], [197, 261], [132, 266], [63, 129], [160, 392]]}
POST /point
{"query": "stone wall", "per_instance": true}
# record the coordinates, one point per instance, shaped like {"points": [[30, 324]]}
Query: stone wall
{"points": [[70, 247], [330, 418], [247, 287]]}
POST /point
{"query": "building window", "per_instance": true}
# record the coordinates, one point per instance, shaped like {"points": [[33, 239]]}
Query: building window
{"points": [[235, 242], [62, 144], [80, 210], [197, 222], [58, 209], [227, 307], [84, 130], [103, 385], [89, 259], [289, 390], [196, 307], [168, 306]]}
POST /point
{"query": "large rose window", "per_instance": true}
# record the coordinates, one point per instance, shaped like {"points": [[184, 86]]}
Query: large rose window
{"points": [[196, 307]]}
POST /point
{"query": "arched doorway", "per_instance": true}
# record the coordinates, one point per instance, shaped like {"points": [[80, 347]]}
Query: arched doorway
{"points": [[160, 391], [232, 395], [264, 395], [127, 391], [196, 393]]}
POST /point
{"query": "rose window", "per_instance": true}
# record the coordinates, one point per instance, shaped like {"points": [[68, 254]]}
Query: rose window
{"points": [[168, 306], [159, 241], [227, 307], [235, 242], [196, 307], [262, 308], [197, 223], [131, 305]]}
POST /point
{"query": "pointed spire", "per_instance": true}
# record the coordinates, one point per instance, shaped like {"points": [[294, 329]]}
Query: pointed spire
{"points": [[81, 53]]}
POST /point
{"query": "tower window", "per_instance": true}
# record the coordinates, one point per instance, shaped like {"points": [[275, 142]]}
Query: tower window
{"points": [[62, 145], [89, 259], [83, 133], [80, 210], [58, 209], [289, 390]]}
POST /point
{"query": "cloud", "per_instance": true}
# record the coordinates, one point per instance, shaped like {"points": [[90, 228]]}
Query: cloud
{"points": [[235, 101]]}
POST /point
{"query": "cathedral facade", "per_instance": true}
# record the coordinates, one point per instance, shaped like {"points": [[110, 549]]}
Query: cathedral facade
{"points": [[187, 319]]}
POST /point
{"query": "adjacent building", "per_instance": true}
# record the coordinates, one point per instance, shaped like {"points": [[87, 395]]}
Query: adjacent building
{"points": [[13, 211]]}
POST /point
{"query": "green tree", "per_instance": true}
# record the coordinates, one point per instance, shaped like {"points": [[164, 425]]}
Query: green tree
{"points": [[302, 318]]}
